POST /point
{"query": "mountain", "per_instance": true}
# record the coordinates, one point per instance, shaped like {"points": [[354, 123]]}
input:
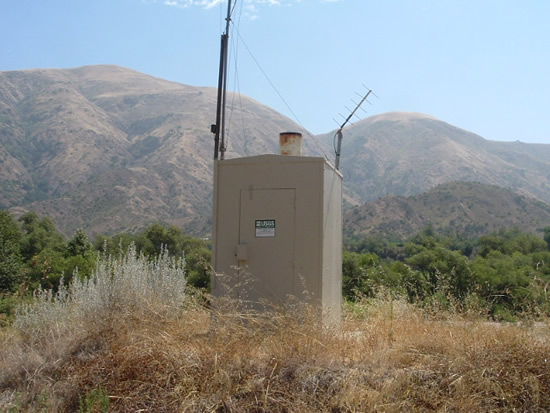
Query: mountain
{"points": [[467, 209], [109, 149], [409, 153]]}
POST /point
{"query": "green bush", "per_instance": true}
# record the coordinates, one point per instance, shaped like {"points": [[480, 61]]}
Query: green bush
{"points": [[504, 274], [11, 261]]}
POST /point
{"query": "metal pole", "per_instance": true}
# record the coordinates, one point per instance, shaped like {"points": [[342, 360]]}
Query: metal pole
{"points": [[219, 128], [338, 149], [215, 129]]}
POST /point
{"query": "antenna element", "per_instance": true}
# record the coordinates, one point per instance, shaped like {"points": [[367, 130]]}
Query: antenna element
{"points": [[339, 131]]}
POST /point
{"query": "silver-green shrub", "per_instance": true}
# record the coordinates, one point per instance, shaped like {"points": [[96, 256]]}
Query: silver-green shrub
{"points": [[128, 284]]}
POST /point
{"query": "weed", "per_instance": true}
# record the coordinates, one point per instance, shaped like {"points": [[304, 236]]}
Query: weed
{"points": [[95, 401]]}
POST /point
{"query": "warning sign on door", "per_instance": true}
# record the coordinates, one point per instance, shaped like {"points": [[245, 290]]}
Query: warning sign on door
{"points": [[265, 228]]}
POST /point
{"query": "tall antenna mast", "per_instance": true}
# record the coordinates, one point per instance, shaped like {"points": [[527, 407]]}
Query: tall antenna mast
{"points": [[218, 129], [339, 132]]}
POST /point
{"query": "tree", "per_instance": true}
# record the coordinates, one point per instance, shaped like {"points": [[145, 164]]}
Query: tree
{"points": [[11, 261], [116, 243], [155, 237], [38, 234], [546, 232], [79, 244], [355, 277], [503, 281], [444, 269], [46, 268], [510, 241], [79, 255], [43, 249]]}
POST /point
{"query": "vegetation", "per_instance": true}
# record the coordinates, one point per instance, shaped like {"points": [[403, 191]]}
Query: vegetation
{"points": [[10, 252], [508, 272], [34, 255], [130, 339], [466, 209], [55, 337], [153, 239], [133, 335]]}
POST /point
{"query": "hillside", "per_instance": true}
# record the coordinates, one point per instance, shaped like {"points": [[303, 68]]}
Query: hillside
{"points": [[465, 208], [108, 149], [409, 153]]}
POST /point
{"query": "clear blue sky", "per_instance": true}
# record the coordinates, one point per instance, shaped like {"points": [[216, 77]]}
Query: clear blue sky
{"points": [[482, 65]]}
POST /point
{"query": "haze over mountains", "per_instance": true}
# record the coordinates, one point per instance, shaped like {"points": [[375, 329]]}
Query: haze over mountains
{"points": [[107, 149]]}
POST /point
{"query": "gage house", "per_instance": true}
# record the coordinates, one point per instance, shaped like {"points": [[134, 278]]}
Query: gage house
{"points": [[277, 231]]}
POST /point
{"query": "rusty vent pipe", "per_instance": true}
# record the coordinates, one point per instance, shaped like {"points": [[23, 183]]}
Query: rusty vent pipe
{"points": [[291, 143]]}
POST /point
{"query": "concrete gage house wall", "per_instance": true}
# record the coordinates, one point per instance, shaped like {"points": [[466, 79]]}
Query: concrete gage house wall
{"points": [[277, 231]]}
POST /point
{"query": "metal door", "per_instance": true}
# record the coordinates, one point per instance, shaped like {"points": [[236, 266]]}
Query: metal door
{"points": [[266, 243]]}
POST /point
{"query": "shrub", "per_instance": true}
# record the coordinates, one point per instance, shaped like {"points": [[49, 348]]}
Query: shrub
{"points": [[124, 284], [73, 325]]}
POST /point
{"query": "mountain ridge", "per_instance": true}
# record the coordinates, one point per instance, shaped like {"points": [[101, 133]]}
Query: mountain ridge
{"points": [[408, 154], [105, 141], [466, 209], [107, 149]]}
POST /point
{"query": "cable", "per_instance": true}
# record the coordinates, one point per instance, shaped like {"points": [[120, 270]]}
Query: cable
{"points": [[236, 82], [279, 94]]}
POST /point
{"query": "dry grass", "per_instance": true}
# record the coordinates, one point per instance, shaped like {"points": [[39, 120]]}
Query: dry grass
{"points": [[387, 356], [280, 364]]}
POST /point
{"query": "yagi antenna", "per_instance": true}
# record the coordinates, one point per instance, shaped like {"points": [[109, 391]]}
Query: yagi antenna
{"points": [[339, 131]]}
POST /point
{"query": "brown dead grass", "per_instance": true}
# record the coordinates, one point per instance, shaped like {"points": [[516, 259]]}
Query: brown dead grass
{"points": [[388, 357]]}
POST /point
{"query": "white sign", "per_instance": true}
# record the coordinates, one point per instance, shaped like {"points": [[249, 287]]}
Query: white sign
{"points": [[265, 228]]}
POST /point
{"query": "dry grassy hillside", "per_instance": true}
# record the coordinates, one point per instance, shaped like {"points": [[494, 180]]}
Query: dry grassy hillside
{"points": [[406, 154], [466, 209], [107, 149]]}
